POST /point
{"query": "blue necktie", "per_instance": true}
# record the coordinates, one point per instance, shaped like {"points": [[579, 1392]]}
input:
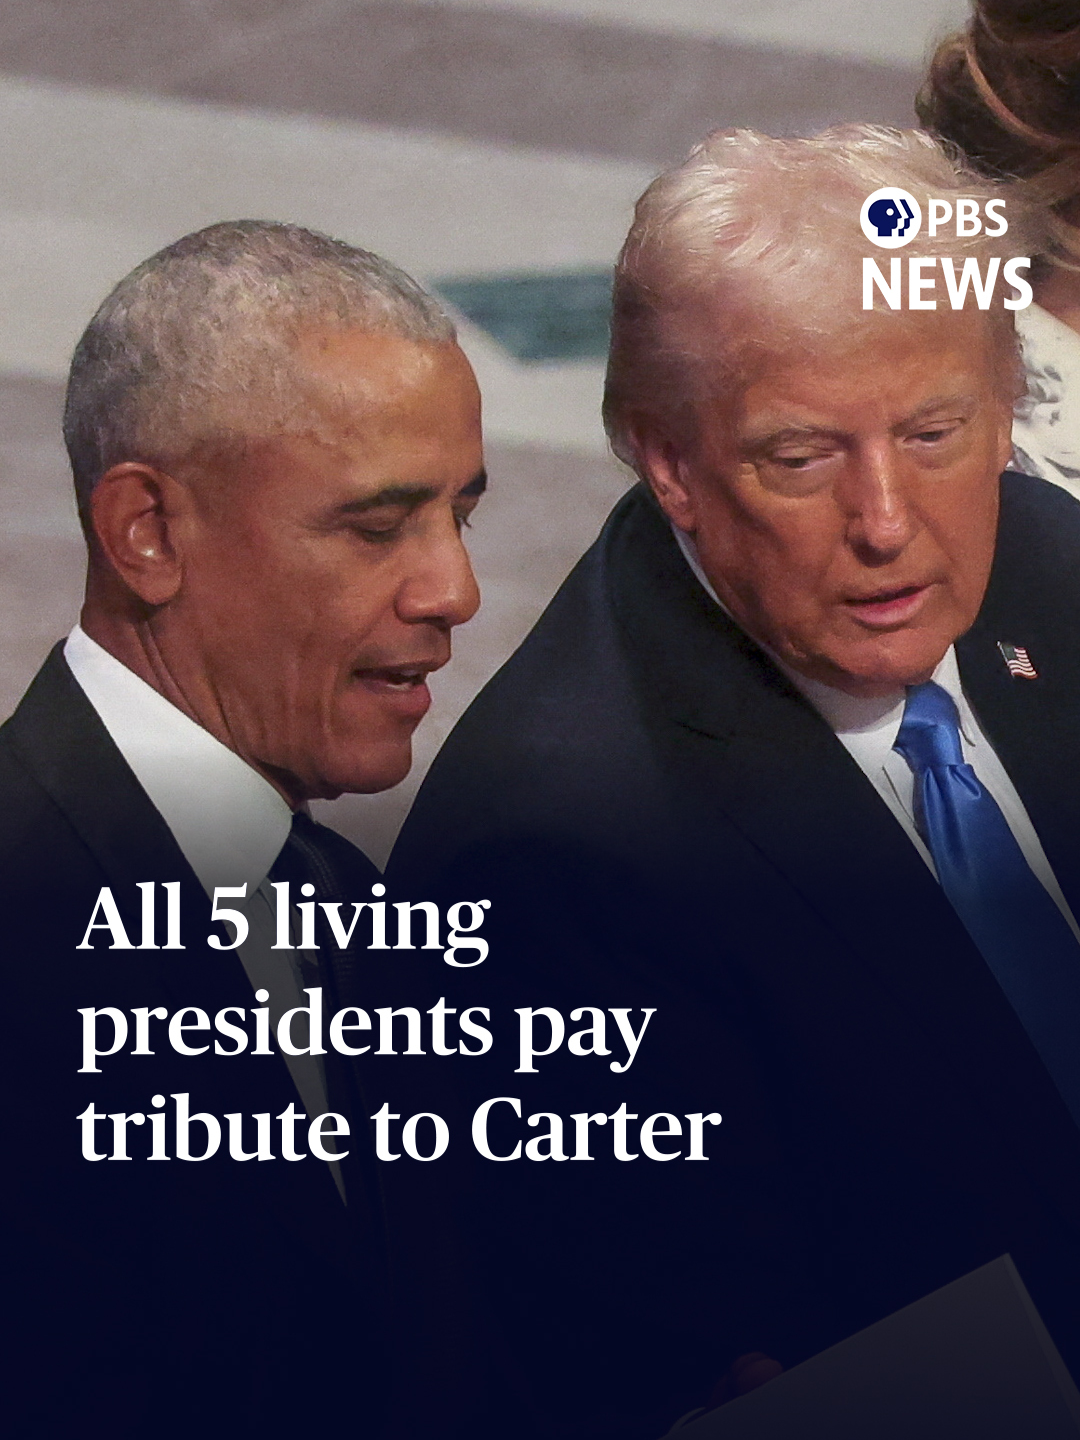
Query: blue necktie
{"points": [[1021, 933]]}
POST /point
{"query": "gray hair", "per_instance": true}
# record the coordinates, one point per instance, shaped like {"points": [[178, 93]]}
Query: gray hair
{"points": [[195, 346], [752, 234]]}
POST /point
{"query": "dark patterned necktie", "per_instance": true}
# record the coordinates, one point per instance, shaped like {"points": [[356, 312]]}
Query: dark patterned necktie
{"points": [[1007, 911], [337, 872], [317, 856]]}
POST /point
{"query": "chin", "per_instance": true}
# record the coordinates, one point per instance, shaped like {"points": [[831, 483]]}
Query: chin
{"points": [[890, 669], [378, 768]]}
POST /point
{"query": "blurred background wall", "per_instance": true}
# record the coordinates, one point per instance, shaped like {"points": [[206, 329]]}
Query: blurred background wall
{"points": [[494, 149]]}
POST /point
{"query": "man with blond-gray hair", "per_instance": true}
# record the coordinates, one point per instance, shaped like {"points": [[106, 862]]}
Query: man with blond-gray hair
{"points": [[790, 768]]}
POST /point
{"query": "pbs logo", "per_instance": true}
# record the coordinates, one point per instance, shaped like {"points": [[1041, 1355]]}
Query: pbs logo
{"points": [[890, 218]]}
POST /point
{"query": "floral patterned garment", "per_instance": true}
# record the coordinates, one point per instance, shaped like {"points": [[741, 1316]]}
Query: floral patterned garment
{"points": [[1046, 432]]}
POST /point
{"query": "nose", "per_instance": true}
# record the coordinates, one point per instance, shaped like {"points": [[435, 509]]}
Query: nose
{"points": [[440, 587], [880, 520]]}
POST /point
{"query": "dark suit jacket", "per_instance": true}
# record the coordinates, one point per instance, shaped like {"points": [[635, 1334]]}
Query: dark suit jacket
{"points": [[217, 1298], [660, 819]]}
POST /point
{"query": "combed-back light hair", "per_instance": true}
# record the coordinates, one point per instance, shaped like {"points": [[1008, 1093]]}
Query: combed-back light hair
{"points": [[194, 350], [752, 245]]}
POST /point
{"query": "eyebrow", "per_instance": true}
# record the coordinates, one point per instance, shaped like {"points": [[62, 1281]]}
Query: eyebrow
{"points": [[784, 437], [939, 402], [793, 433], [477, 485], [408, 496]]}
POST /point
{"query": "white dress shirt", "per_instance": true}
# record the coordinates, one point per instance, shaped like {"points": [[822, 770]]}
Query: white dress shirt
{"points": [[867, 729], [229, 822]]}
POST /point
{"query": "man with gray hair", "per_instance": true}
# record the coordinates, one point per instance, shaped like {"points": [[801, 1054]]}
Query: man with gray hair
{"points": [[791, 768], [276, 442]]}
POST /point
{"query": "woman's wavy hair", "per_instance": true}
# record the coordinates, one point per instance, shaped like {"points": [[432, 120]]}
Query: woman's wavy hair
{"points": [[1006, 92]]}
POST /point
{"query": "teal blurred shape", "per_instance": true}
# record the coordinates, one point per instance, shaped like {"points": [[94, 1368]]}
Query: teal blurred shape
{"points": [[538, 316]]}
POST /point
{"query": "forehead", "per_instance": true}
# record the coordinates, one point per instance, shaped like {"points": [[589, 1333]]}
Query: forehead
{"points": [[359, 385], [886, 366], [362, 412]]}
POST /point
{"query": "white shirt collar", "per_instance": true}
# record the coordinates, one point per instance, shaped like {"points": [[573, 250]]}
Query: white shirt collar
{"points": [[229, 822], [868, 726]]}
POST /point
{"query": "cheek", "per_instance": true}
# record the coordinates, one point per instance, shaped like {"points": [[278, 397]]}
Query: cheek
{"points": [[273, 644], [786, 562], [305, 612], [966, 532], [238, 574]]}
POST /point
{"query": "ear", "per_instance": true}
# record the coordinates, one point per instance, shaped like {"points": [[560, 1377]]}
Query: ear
{"points": [[1005, 442], [135, 512], [1013, 383], [664, 464]]}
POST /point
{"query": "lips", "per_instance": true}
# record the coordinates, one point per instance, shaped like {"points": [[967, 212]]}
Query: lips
{"points": [[404, 677], [889, 607], [400, 687]]}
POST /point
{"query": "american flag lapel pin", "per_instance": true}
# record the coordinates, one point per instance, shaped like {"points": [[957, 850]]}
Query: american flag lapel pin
{"points": [[1018, 661]]}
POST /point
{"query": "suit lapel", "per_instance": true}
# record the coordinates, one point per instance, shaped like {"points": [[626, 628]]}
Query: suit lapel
{"points": [[60, 739], [1033, 724], [743, 742]]}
